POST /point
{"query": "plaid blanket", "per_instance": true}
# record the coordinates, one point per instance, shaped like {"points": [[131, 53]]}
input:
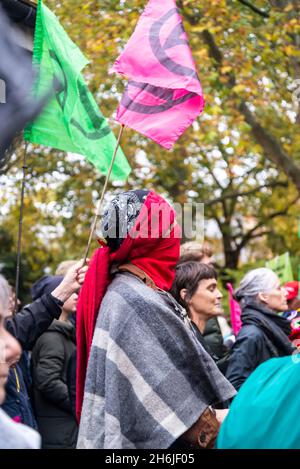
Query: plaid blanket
{"points": [[148, 378]]}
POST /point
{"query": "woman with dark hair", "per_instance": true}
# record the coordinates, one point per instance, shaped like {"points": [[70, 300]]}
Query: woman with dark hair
{"points": [[144, 381], [195, 288], [264, 334]]}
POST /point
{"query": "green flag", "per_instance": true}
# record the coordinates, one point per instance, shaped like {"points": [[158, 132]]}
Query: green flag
{"points": [[71, 121], [281, 265]]}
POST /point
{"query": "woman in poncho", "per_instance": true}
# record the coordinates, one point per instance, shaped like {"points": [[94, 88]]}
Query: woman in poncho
{"points": [[148, 383]]}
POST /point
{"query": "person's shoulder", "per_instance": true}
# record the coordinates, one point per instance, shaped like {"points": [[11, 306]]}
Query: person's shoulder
{"points": [[16, 435], [126, 293], [50, 336], [250, 332], [131, 287]]}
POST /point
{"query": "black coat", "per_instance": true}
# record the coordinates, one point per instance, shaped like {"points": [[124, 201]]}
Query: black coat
{"points": [[71, 381], [263, 335], [213, 337], [221, 362], [27, 326], [50, 361]]}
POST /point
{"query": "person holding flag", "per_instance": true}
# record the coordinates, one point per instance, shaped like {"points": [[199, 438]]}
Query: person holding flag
{"points": [[149, 383]]}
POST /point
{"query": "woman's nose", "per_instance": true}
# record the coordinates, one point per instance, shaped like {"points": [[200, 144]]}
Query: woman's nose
{"points": [[11, 349]]}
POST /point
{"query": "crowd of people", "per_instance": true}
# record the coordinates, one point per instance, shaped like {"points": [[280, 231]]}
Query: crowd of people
{"points": [[132, 350]]}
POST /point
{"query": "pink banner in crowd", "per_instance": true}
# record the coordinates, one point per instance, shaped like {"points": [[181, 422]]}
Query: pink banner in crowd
{"points": [[164, 94], [235, 311]]}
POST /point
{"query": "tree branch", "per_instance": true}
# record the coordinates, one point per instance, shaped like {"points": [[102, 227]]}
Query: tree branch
{"points": [[254, 8], [214, 50], [246, 193], [271, 147], [251, 233]]}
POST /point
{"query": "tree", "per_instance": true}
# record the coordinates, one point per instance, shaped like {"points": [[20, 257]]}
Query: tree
{"points": [[241, 158]]}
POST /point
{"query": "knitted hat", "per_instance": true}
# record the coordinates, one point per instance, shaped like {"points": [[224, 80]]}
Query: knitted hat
{"points": [[46, 284]]}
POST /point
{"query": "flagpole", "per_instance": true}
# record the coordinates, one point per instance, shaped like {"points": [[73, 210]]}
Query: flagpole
{"points": [[24, 168], [100, 201]]}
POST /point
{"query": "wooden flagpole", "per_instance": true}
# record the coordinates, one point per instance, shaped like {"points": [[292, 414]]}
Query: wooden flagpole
{"points": [[99, 204], [17, 283]]}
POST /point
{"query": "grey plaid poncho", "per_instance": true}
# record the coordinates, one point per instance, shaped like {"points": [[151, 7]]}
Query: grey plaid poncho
{"points": [[148, 378]]}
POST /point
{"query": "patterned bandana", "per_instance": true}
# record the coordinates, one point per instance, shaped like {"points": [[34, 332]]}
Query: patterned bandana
{"points": [[120, 216]]}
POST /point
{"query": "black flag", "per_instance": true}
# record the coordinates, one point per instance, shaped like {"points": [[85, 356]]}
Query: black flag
{"points": [[17, 105]]}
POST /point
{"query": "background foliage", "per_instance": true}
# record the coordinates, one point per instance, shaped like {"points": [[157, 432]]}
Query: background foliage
{"points": [[241, 158]]}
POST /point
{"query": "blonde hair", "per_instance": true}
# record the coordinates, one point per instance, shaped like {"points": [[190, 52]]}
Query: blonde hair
{"points": [[193, 251], [63, 267]]}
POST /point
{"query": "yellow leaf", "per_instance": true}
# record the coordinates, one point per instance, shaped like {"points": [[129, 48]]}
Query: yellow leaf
{"points": [[238, 88], [226, 69]]}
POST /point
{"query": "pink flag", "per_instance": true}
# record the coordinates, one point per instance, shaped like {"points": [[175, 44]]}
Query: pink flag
{"points": [[235, 311], [164, 94]]}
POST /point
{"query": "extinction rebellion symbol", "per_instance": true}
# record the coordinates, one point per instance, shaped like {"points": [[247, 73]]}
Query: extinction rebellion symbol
{"points": [[159, 50]]}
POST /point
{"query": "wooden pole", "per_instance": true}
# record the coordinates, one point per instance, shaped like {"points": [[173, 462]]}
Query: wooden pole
{"points": [[17, 284], [99, 204]]}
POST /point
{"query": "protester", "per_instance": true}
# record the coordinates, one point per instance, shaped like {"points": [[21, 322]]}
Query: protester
{"points": [[27, 326], [71, 370], [64, 266], [12, 435], [217, 332], [195, 288], [293, 312], [265, 411], [264, 333], [149, 382], [194, 251], [293, 299], [62, 269], [50, 360]]}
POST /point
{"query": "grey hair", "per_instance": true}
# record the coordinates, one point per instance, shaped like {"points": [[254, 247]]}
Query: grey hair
{"points": [[256, 281], [5, 292]]}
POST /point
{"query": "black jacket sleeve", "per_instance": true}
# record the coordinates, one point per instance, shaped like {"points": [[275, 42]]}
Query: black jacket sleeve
{"points": [[48, 370], [34, 319], [246, 355]]}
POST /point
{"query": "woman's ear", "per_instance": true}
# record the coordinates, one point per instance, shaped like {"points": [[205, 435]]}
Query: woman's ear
{"points": [[263, 297], [182, 293]]}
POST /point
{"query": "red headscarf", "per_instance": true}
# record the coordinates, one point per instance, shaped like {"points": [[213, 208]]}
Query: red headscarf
{"points": [[152, 245]]}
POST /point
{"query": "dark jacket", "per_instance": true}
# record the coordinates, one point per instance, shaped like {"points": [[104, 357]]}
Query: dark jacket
{"points": [[221, 362], [71, 380], [17, 402], [50, 360], [213, 337], [263, 335], [26, 326]]}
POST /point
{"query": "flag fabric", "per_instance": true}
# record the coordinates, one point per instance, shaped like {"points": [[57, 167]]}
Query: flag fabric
{"points": [[235, 311], [72, 120], [281, 265], [164, 94], [264, 413], [17, 106]]}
